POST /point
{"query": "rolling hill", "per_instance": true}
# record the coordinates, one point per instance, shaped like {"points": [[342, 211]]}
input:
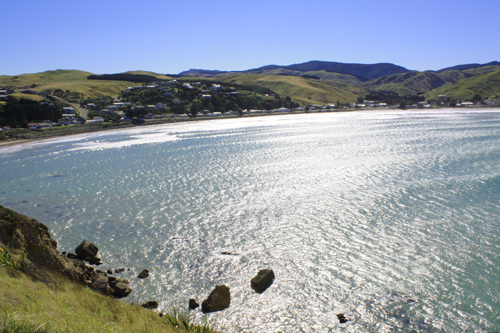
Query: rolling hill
{"points": [[70, 85], [313, 82]]}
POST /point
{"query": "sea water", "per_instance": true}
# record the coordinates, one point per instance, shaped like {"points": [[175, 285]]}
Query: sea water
{"points": [[390, 218]]}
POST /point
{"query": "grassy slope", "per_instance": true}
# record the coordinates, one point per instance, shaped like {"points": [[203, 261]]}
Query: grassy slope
{"points": [[413, 83], [486, 85], [59, 305], [74, 81], [323, 75], [301, 89]]}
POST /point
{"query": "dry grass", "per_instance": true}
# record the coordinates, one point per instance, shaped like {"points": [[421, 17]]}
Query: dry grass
{"points": [[58, 305]]}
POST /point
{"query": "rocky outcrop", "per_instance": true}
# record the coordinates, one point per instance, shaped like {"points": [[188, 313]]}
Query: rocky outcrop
{"points": [[32, 238], [219, 299], [27, 236], [262, 280], [88, 251]]}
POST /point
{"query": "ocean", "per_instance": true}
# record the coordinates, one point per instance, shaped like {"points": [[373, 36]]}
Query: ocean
{"points": [[390, 218]]}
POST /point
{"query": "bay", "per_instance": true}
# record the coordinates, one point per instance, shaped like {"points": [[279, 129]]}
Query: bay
{"points": [[388, 217]]}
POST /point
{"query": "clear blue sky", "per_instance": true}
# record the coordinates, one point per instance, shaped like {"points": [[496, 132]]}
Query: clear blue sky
{"points": [[167, 36]]}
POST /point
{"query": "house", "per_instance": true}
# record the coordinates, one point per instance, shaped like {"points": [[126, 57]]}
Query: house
{"points": [[96, 120], [33, 126], [3, 94], [215, 87], [465, 104], [282, 110], [68, 109], [67, 119]]}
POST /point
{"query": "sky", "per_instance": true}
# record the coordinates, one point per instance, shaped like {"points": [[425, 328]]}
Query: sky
{"points": [[169, 37]]}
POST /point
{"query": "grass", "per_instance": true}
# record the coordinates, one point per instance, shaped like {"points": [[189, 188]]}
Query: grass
{"points": [[307, 91], [59, 305], [8, 260], [486, 85], [72, 83]]}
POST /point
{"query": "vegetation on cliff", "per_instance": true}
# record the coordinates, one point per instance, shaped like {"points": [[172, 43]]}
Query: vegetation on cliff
{"points": [[42, 290]]}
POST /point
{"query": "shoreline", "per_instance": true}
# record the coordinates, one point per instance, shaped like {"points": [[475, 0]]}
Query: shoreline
{"points": [[82, 129]]}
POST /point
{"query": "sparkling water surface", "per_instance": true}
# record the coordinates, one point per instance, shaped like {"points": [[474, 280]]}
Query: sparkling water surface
{"points": [[389, 217]]}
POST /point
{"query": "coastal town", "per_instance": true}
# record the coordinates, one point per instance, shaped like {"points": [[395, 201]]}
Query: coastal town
{"points": [[179, 99]]}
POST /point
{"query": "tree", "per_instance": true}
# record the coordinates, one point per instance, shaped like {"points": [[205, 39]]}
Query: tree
{"points": [[194, 109]]}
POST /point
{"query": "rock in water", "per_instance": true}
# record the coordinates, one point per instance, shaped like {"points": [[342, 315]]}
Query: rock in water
{"points": [[144, 274], [193, 304], [86, 249], [219, 299], [263, 280], [150, 305]]}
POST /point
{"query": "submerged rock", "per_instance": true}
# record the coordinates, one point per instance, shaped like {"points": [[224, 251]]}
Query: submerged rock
{"points": [[262, 280], [219, 299]]}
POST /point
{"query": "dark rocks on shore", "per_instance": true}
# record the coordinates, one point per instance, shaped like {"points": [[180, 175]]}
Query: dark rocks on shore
{"points": [[119, 270], [72, 256], [219, 299], [262, 280], [150, 305], [144, 274], [121, 290], [193, 304], [94, 260], [86, 249], [100, 283], [26, 236]]}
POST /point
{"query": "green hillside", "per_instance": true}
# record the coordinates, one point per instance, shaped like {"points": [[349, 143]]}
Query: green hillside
{"points": [[71, 85], [313, 82], [414, 83], [485, 85], [308, 91]]}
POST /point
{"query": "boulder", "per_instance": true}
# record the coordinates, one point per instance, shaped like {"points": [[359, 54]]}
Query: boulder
{"points": [[100, 283], [150, 305], [193, 304], [219, 299], [86, 249], [114, 280], [144, 274], [121, 290], [119, 270], [94, 260], [262, 280]]}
